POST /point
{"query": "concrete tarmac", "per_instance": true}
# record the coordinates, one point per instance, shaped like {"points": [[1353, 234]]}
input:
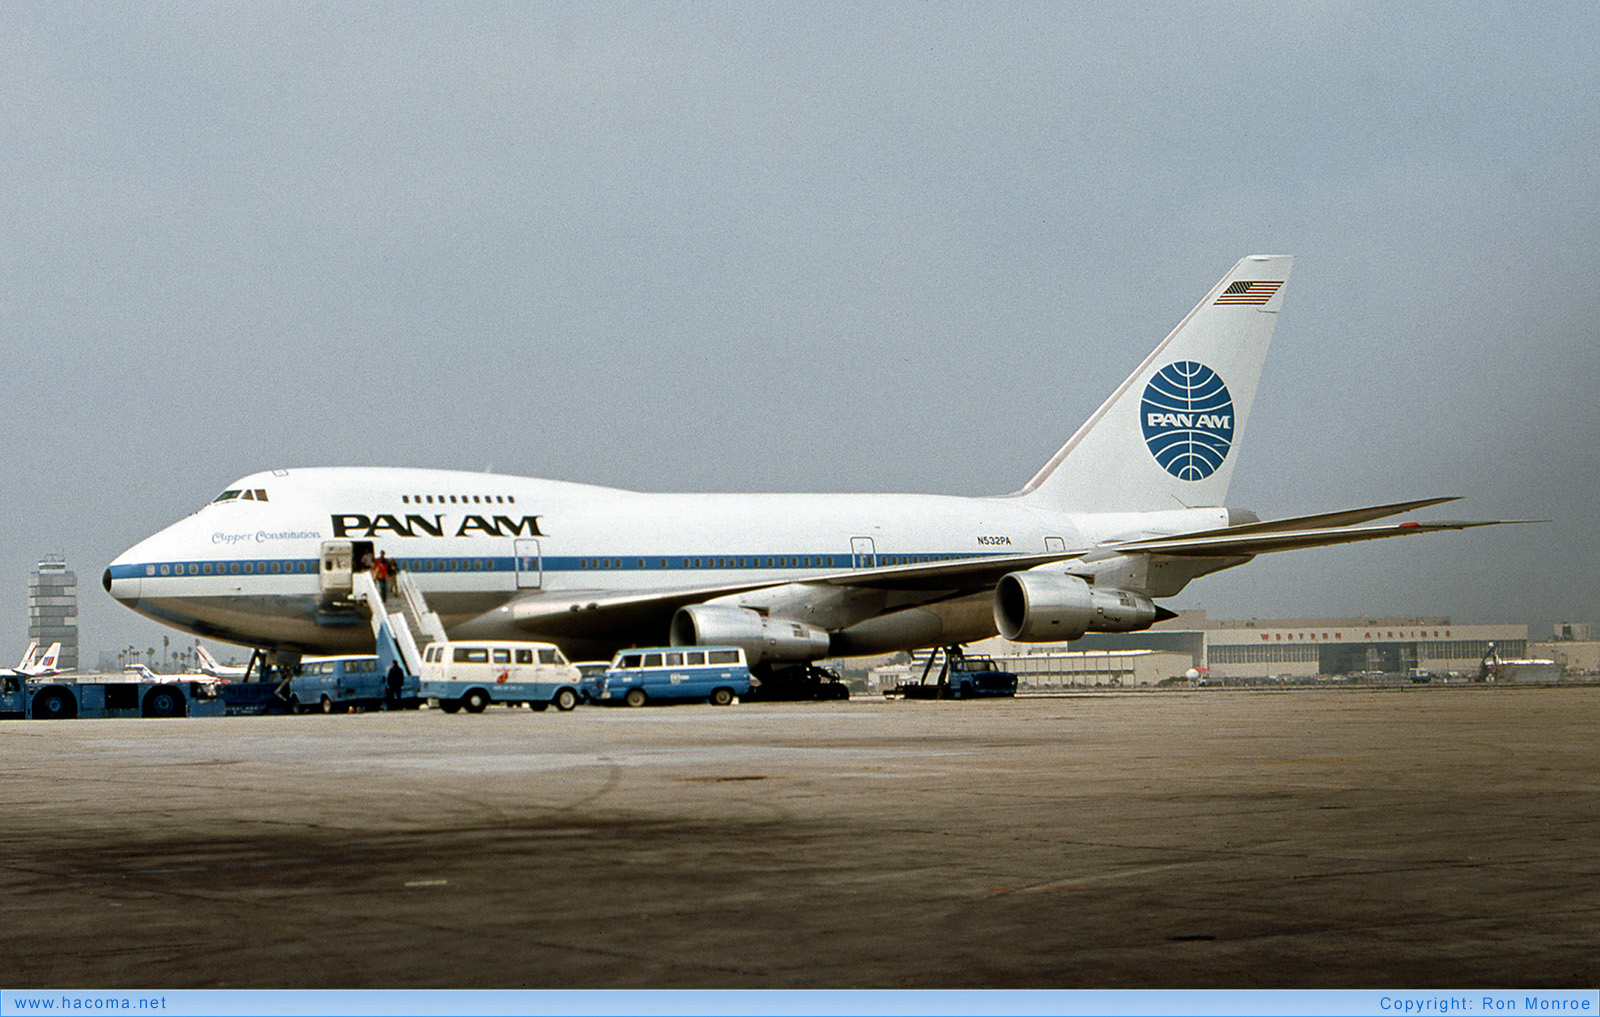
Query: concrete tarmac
{"points": [[1418, 837]]}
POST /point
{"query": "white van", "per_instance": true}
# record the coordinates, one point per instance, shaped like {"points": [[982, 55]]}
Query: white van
{"points": [[474, 673]]}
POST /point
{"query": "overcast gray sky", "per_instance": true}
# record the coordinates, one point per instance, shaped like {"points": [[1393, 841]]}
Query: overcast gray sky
{"points": [[890, 247]]}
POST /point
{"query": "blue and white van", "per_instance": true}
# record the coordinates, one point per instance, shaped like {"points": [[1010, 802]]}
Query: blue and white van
{"points": [[474, 673], [714, 674], [337, 684]]}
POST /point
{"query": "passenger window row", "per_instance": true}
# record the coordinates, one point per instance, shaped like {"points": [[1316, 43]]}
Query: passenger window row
{"points": [[223, 568], [452, 499], [450, 564], [753, 562], [498, 565], [768, 561]]}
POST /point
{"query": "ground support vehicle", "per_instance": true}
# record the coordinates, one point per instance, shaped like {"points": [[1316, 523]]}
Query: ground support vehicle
{"points": [[961, 677], [471, 674], [714, 674], [334, 684], [798, 682], [339, 684], [64, 697], [592, 671], [255, 698]]}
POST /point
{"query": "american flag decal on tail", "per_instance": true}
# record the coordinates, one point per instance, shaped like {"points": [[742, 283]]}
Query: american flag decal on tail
{"points": [[1249, 291]]}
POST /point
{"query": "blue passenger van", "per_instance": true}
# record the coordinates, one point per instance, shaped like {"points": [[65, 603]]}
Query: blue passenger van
{"points": [[714, 674], [337, 684]]}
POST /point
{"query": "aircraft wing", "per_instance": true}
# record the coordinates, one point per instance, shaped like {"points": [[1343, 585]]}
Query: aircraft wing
{"points": [[600, 613]]}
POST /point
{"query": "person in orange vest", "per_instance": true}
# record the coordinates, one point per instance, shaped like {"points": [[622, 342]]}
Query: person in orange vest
{"points": [[382, 569]]}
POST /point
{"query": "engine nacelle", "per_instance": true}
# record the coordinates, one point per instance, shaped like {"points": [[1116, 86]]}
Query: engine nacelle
{"points": [[761, 638], [1048, 607]]}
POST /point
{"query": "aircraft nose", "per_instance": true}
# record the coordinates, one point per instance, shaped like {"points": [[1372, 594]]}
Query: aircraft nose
{"points": [[122, 582]]}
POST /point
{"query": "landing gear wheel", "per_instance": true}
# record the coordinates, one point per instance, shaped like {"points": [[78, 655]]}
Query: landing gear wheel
{"points": [[565, 699], [635, 697]]}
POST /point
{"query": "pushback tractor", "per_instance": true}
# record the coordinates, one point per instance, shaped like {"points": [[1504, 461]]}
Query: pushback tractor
{"points": [[65, 697]]}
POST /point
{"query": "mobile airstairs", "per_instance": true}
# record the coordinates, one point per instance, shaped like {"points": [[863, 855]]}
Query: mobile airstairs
{"points": [[396, 632]]}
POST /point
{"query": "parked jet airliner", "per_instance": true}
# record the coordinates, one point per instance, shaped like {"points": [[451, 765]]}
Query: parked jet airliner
{"points": [[41, 667], [1128, 512], [210, 667]]}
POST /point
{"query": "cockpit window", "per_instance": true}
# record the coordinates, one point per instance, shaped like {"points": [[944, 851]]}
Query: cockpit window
{"points": [[225, 496]]}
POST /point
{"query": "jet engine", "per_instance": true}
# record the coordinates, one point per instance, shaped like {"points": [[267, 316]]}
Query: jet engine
{"points": [[761, 638], [1047, 607]]}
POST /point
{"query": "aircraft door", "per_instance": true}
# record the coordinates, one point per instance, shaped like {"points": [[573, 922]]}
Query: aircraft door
{"points": [[1053, 545], [862, 553], [335, 570], [530, 565]]}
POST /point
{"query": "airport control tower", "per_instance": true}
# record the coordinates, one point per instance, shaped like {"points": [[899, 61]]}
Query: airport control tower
{"points": [[53, 608]]}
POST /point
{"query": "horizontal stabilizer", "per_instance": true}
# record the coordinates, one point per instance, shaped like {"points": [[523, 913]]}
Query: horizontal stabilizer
{"points": [[1265, 538]]}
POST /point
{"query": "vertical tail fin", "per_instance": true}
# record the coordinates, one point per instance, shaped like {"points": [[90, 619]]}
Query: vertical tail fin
{"points": [[27, 658], [47, 663], [208, 663], [1166, 437]]}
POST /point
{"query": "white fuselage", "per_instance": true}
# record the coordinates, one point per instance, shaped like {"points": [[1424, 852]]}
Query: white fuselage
{"points": [[247, 570]]}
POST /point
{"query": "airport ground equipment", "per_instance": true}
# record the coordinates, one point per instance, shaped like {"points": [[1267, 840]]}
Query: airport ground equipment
{"points": [[255, 698], [714, 674], [340, 684], [396, 631], [962, 677], [797, 682], [387, 680], [65, 697], [472, 674], [592, 671]]}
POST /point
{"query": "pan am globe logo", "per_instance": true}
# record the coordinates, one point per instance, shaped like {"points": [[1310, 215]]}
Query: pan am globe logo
{"points": [[1187, 418]]}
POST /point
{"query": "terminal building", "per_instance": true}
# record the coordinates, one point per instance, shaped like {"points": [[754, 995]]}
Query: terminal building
{"points": [[53, 609], [1262, 649]]}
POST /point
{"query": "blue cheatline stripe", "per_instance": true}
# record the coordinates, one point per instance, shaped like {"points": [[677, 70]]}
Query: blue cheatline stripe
{"points": [[215, 567], [550, 563]]}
